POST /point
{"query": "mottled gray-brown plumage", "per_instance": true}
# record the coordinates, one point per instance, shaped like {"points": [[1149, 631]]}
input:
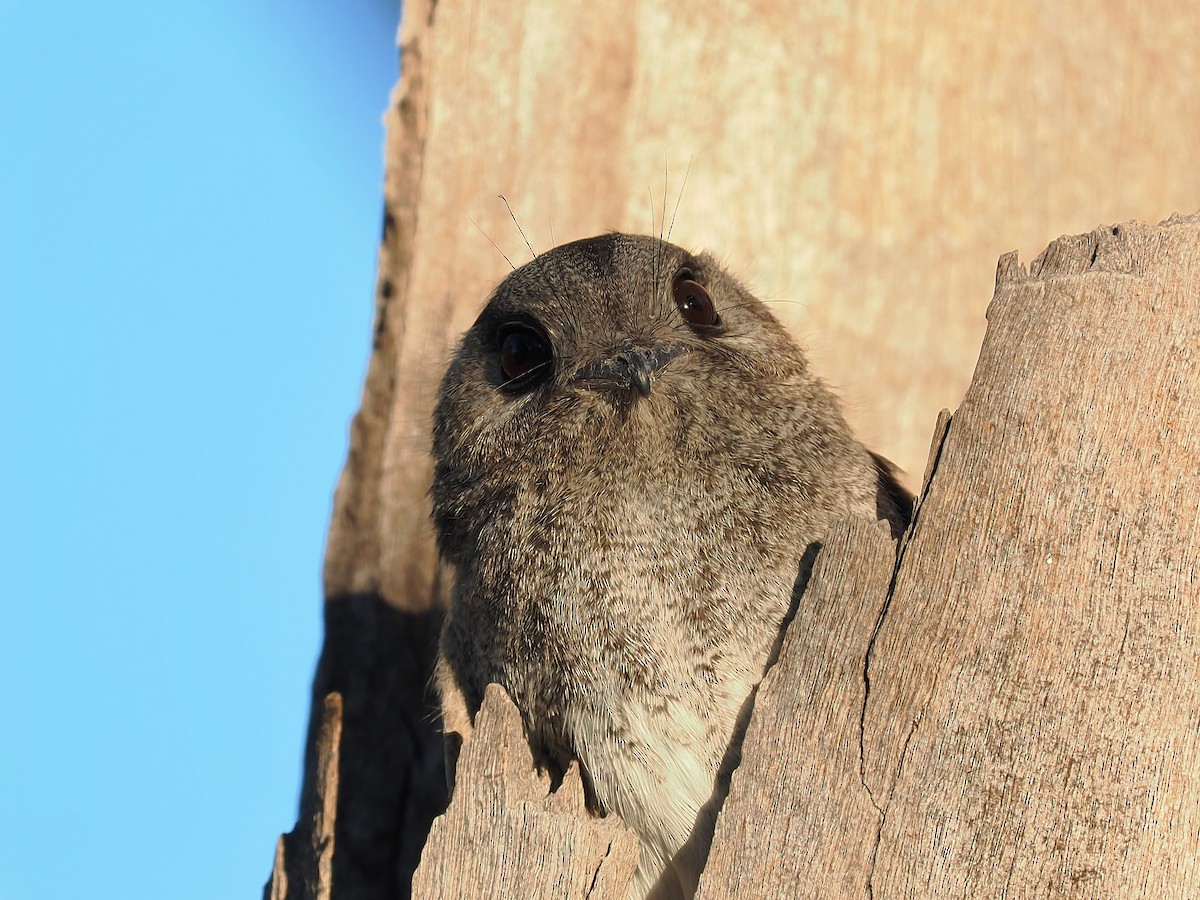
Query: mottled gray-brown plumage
{"points": [[632, 462]]}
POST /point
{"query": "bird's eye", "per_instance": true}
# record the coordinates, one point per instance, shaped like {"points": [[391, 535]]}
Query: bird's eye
{"points": [[526, 356], [694, 304]]}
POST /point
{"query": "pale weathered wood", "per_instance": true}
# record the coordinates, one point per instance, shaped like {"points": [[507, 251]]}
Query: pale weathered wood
{"points": [[277, 884], [1033, 724], [507, 834], [329, 743], [303, 868], [802, 747]]}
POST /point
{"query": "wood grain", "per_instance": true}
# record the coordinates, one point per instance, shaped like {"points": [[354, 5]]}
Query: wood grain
{"points": [[1033, 723], [507, 834], [303, 864], [798, 822]]}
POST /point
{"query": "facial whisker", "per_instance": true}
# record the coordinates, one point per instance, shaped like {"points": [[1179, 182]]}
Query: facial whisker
{"points": [[526, 374], [518, 224], [662, 222], [680, 197], [494, 244]]}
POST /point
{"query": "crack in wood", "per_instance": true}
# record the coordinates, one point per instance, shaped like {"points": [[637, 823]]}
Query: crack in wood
{"points": [[600, 865], [887, 805], [901, 548]]}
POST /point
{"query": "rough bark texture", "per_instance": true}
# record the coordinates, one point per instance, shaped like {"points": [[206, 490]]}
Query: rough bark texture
{"points": [[800, 765], [304, 858], [1024, 719], [508, 835], [1033, 720], [863, 166]]}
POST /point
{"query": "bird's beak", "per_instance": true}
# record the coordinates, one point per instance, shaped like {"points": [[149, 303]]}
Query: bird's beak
{"points": [[638, 372], [629, 368]]}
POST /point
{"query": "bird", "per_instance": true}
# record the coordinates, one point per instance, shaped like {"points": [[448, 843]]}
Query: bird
{"points": [[633, 467]]}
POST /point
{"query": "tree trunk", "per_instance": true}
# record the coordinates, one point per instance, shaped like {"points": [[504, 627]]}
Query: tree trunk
{"points": [[1017, 711], [868, 167]]}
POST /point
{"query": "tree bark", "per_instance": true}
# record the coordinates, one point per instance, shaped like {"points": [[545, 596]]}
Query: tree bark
{"points": [[1022, 718], [865, 168], [509, 835]]}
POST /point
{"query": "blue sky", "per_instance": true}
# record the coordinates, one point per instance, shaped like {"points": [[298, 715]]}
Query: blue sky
{"points": [[190, 202]]}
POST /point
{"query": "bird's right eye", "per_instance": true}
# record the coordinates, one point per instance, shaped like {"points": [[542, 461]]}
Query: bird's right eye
{"points": [[694, 302], [526, 357]]}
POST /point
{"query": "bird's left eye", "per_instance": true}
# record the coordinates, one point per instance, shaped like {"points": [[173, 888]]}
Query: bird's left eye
{"points": [[526, 357], [695, 305]]}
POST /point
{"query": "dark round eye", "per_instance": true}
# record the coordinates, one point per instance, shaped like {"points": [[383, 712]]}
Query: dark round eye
{"points": [[525, 355], [694, 304]]}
